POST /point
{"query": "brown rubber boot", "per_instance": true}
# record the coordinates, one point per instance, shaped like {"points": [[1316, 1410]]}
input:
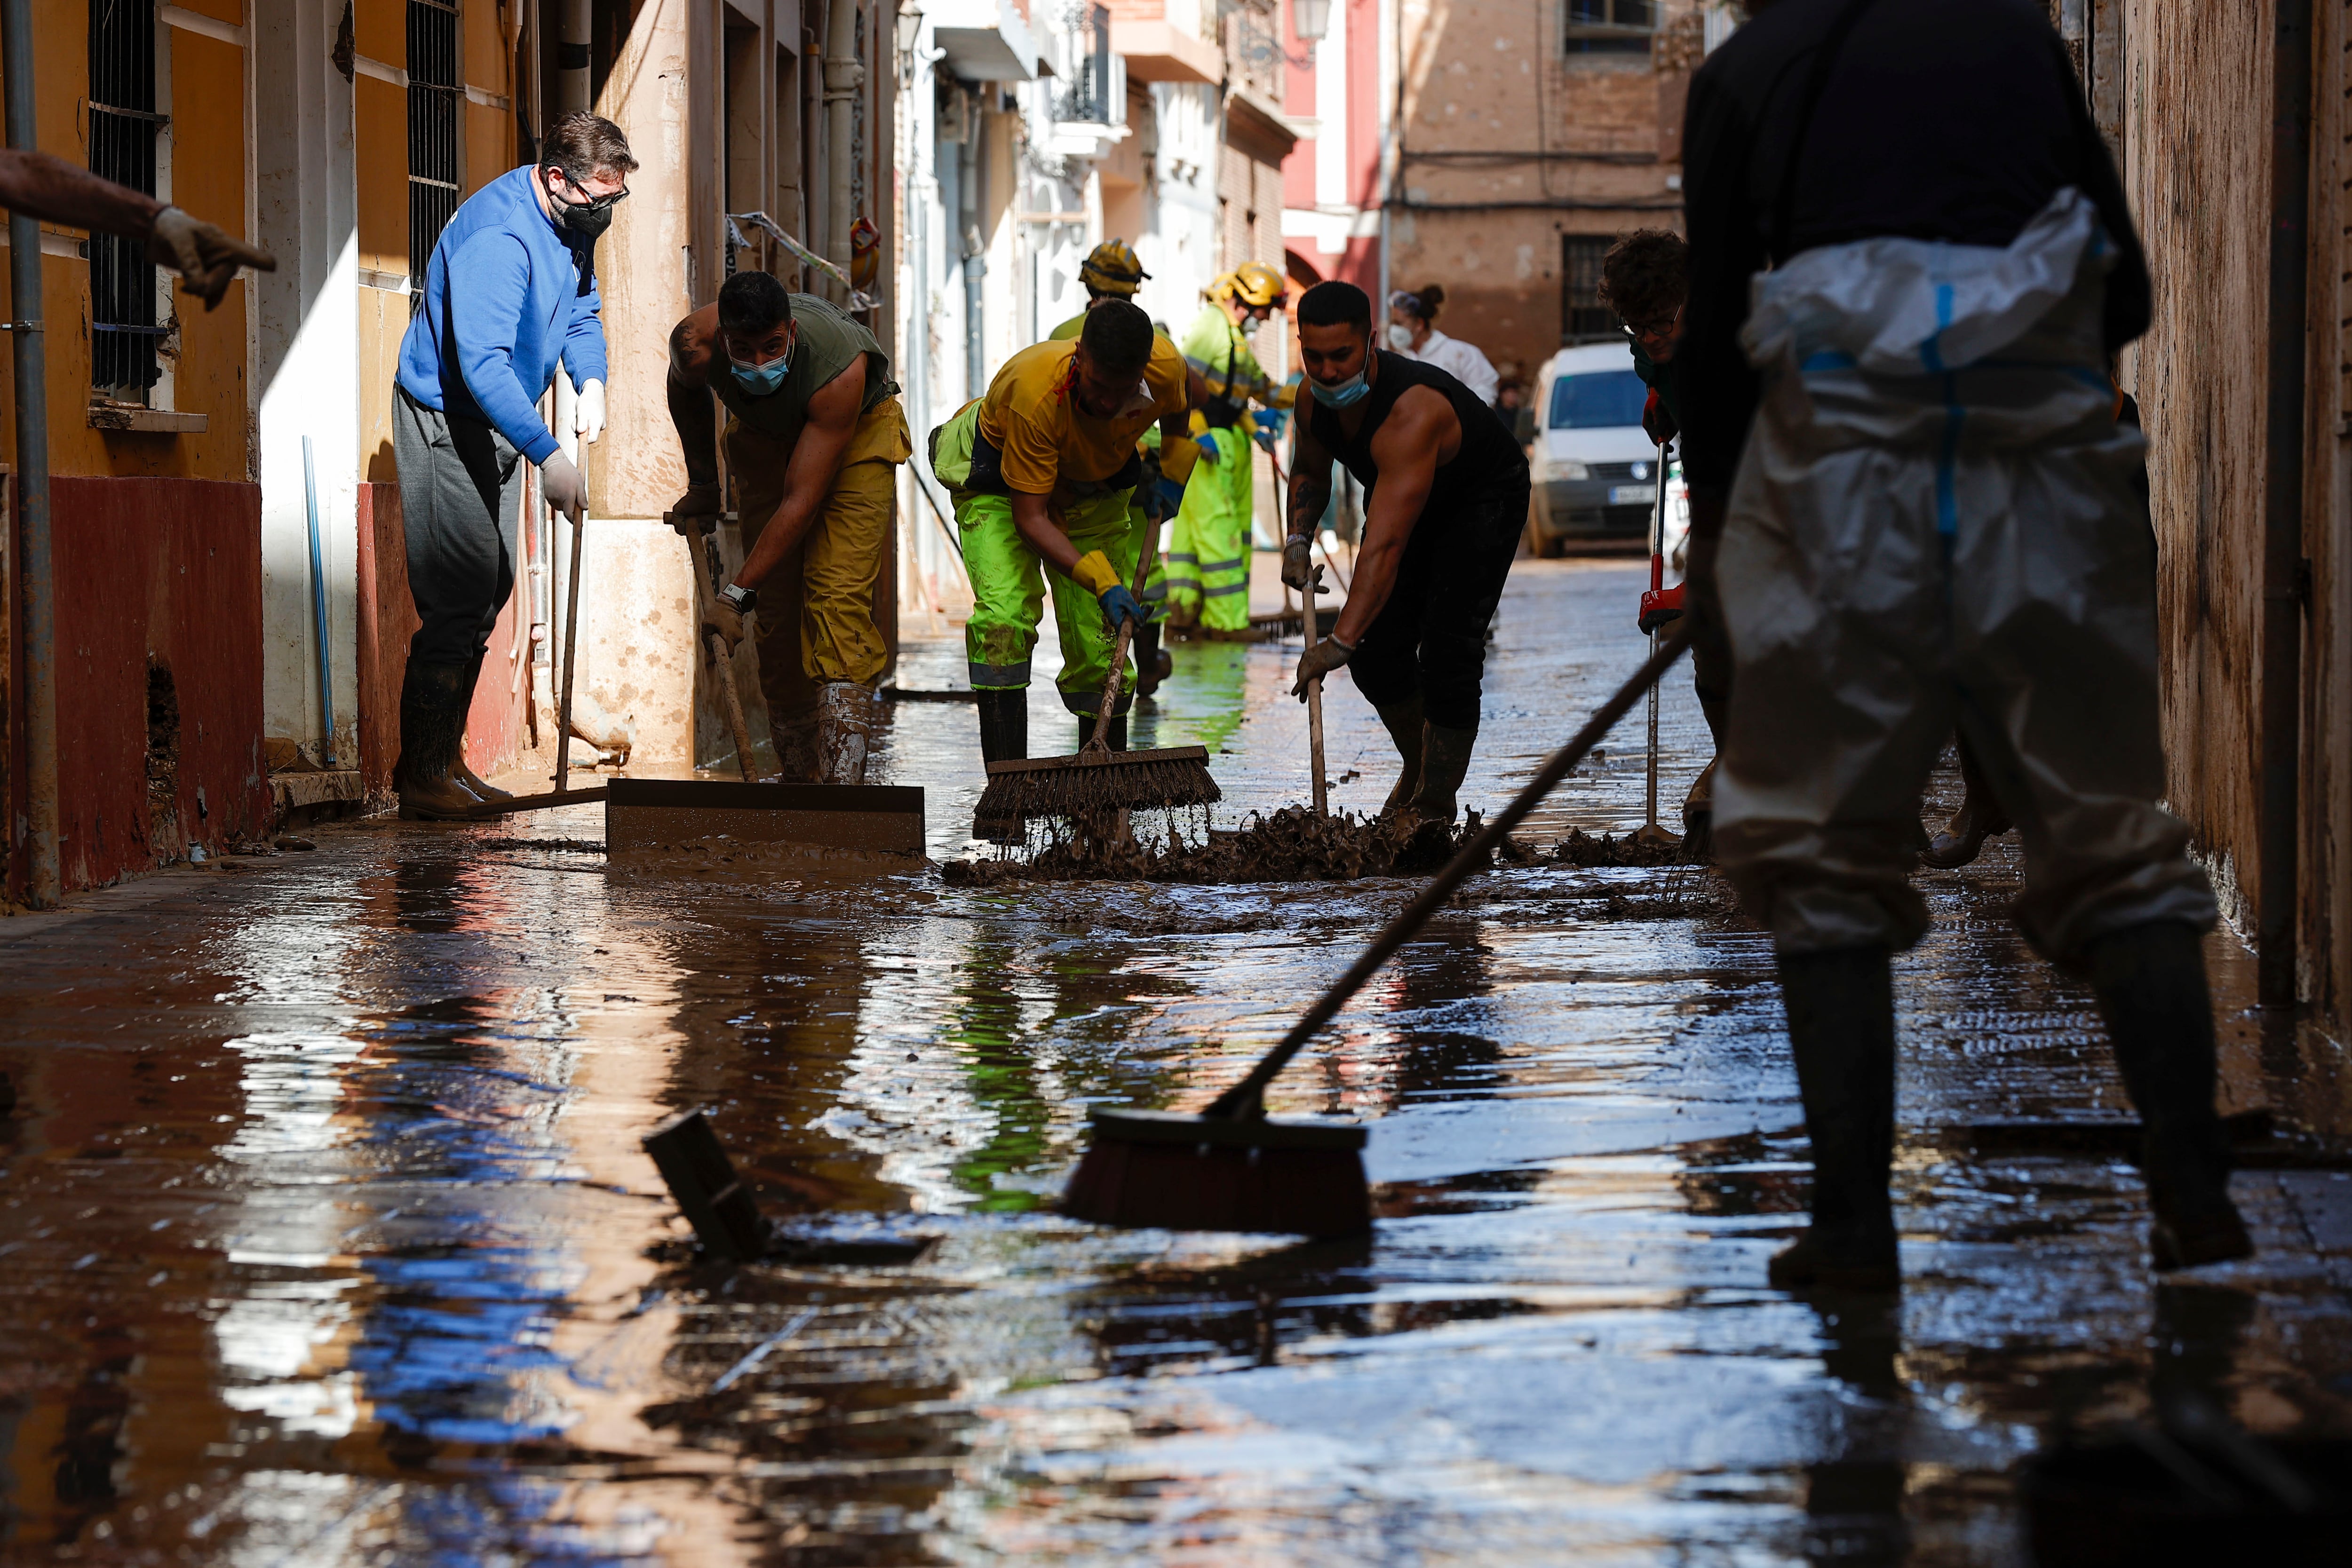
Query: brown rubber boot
{"points": [[432, 731], [1404, 724], [845, 732], [482, 788]]}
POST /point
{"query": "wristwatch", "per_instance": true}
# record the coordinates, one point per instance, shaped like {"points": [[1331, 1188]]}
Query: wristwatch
{"points": [[744, 600]]}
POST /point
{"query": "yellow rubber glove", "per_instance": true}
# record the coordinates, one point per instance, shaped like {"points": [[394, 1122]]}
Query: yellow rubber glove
{"points": [[1177, 458], [1095, 571]]}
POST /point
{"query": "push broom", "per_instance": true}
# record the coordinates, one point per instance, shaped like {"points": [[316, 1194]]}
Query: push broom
{"points": [[1234, 1168], [1096, 780]]}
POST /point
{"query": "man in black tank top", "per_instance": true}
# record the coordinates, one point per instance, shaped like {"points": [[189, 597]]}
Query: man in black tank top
{"points": [[1446, 500]]}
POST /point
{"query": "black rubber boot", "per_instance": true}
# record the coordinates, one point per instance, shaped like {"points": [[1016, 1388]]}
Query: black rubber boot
{"points": [[1978, 818], [1147, 659], [2150, 981], [432, 734], [1840, 1009], [1003, 737], [1113, 734], [1445, 763], [465, 775], [1403, 722], [1003, 725]]}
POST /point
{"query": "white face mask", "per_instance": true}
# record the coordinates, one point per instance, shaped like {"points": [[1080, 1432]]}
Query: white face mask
{"points": [[1401, 339]]}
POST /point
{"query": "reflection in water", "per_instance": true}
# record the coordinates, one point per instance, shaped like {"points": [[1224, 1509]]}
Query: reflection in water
{"points": [[1854, 1495]]}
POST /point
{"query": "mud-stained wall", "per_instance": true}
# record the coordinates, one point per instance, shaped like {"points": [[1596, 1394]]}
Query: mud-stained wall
{"points": [[155, 577], [2196, 96], [1508, 142]]}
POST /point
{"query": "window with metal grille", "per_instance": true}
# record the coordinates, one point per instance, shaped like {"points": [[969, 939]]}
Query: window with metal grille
{"points": [[1610, 26], [1582, 316], [435, 97], [123, 125]]}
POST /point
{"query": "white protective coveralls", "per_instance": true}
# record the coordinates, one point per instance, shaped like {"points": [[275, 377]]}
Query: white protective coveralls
{"points": [[1935, 520]]}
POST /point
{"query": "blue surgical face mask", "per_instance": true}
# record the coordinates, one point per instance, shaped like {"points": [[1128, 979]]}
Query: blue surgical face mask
{"points": [[760, 381], [1347, 395]]}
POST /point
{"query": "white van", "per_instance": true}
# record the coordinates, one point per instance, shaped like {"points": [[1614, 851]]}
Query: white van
{"points": [[1595, 472]]}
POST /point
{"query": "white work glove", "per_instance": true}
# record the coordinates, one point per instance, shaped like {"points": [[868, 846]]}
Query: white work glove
{"points": [[206, 255], [566, 489], [588, 413]]}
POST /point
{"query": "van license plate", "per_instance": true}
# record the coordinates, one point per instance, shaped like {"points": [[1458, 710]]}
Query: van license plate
{"points": [[1628, 495]]}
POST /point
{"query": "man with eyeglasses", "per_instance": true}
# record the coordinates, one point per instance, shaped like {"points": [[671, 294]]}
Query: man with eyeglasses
{"points": [[1645, 279], [511, 289]]}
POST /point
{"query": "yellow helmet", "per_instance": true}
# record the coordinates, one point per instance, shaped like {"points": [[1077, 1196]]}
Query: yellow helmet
{"points": [[1255, 283], [1113, 267]]}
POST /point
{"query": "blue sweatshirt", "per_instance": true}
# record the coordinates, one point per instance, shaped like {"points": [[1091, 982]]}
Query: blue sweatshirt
{"points": [[505, 296]]}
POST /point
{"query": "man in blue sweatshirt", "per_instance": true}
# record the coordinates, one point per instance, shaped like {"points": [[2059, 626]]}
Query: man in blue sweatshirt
{"points": [[511, 287]]}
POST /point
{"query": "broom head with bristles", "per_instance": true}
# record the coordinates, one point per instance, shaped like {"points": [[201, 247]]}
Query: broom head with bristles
{"points": [[1174, 1171], [1099, 781]]}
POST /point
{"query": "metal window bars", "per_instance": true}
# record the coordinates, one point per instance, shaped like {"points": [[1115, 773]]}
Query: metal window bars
{"points": [[1583, 317], [1609, 27], [436, 99], [1094, 94], [123, 126]]}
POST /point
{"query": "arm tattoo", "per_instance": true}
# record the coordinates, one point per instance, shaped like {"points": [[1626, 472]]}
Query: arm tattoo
{"points": [[1310, 494]]}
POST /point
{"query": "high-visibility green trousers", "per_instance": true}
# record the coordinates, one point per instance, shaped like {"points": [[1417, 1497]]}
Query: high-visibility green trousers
{"points": [[1209, 563], [1008, 585]]}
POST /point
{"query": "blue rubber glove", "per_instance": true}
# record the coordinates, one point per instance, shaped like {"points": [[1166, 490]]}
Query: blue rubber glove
{"points": [[1270, 423], [1118, 604], [1210, 452], [1170, 494]]}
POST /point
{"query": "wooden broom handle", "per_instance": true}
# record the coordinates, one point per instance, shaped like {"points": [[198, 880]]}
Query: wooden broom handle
{"points": [[700, 551], [1100, 741], [1246, 1098]]}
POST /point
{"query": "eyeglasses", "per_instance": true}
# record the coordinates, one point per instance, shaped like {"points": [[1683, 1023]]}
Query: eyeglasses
{"points": [[1638, 329], [592, 203]]}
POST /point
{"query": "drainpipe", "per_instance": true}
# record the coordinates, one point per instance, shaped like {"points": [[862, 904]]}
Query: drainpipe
{"points": [[2285, 572], [843, 75], [969, 165], [572, 57], [44, 884]]}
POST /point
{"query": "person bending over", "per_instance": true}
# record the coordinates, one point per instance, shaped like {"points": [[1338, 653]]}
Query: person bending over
{"points": [[1446, 500], [814, 436]]}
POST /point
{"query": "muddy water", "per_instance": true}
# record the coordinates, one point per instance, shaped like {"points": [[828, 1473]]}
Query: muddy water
{"points": [[325, 1236]]}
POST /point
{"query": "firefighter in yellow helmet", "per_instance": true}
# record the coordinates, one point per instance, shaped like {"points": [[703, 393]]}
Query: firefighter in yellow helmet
{"points": [[1209, 555], [1113, 271]]}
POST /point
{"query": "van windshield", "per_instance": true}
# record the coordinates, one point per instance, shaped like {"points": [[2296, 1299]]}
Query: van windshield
{"points": [[1597, 400]]}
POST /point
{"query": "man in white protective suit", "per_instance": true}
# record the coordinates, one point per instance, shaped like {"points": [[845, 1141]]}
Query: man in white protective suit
{"points": [[1911, 261]]}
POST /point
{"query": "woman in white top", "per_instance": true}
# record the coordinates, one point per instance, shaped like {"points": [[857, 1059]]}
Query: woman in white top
{"points": [[1413, 334]]}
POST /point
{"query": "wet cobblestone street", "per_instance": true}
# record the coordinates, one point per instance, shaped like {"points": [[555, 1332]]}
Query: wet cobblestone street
{"points": [[326, 1236]]}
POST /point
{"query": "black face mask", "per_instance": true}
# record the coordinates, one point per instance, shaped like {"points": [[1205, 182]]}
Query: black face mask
{"points": [[587, 219]]}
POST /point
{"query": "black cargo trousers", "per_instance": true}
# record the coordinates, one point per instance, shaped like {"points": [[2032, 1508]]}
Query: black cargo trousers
{"points": [[1431, 635]]}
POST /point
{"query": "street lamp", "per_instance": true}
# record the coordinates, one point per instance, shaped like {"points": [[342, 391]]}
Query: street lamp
{"points": [[1310, 19]]}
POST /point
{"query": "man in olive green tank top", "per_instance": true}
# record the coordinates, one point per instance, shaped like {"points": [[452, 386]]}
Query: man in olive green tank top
{"points": [[814, 434]]}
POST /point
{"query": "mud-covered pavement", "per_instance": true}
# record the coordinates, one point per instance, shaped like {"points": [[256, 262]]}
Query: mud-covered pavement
{"points": [[325, 1236]]}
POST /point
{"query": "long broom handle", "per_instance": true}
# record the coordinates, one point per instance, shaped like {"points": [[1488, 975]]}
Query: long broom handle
{"points": [[1314, 634], [1657, 580], [1097, 741], [571, 646], [1246, 1098], [700, 551]]}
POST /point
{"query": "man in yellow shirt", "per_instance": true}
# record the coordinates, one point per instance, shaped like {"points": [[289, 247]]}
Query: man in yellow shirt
{"points": [[1113, 271], [1042, 471]]}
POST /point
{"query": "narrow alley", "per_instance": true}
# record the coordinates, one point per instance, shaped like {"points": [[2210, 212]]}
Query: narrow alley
{"points": [[329, 1238]]}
